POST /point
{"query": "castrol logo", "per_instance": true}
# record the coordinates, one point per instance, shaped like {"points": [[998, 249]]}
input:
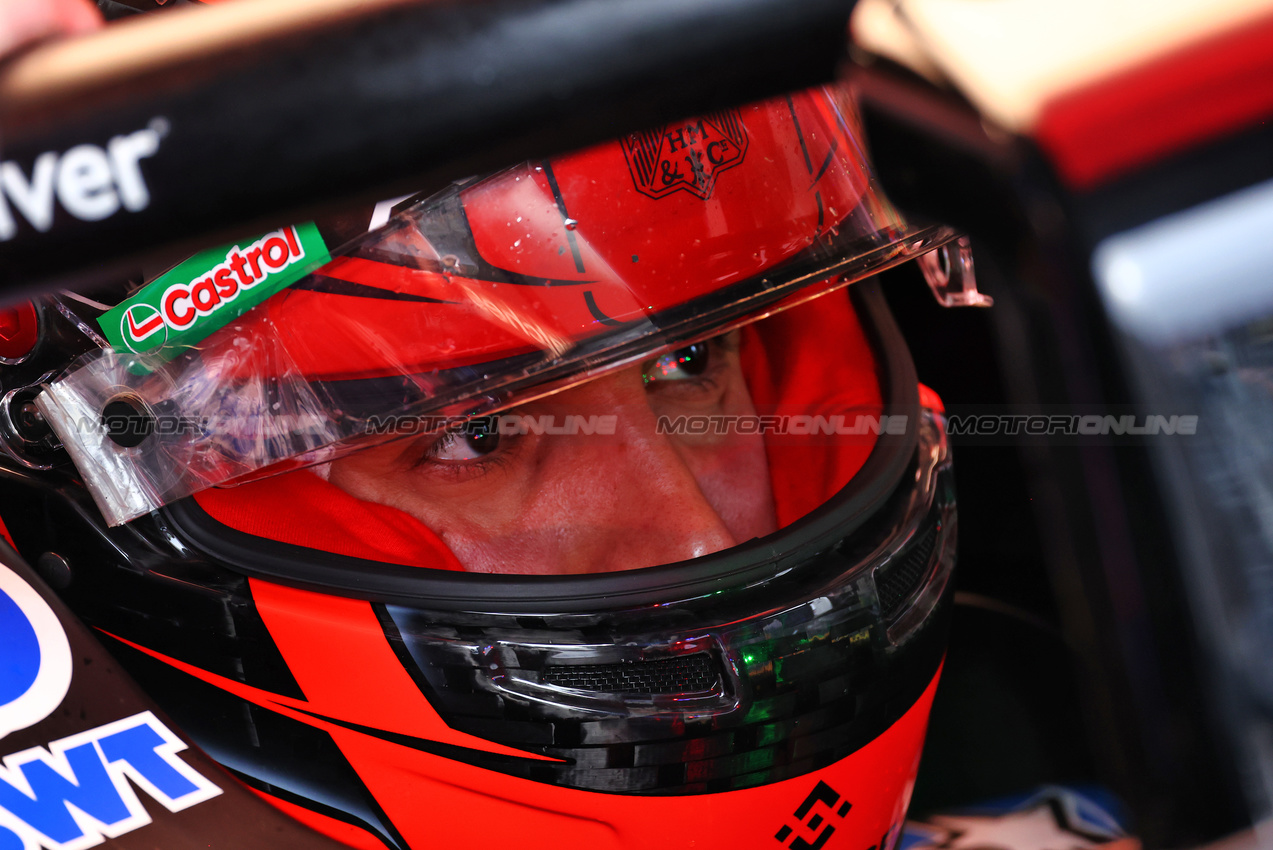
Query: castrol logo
{"points": [[186, 302], [141, 323]]}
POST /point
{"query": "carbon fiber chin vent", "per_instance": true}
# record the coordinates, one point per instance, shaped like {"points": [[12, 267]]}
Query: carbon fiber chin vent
{"points": [[685, 674], [897, 580]]}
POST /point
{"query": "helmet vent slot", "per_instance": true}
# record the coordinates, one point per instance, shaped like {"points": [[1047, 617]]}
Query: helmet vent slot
{"points": [[902, 575], [684, 674]]}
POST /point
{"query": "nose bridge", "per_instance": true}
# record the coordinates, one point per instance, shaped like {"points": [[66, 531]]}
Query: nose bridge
{"points": [[658, 513]]}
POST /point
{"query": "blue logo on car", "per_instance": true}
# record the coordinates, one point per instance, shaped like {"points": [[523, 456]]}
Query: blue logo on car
{"points": [[35, 663], [21, 661], [82, 788]]}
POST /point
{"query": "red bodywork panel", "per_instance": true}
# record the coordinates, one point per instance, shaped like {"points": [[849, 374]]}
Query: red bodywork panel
{"points": [[1217, 87]]}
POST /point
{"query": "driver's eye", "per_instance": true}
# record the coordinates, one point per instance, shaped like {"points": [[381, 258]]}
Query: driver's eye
{"points": [[477, 439], [680, 365]]}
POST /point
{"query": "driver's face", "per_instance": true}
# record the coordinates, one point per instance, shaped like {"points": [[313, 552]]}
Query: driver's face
{"points": [[580, 503]]}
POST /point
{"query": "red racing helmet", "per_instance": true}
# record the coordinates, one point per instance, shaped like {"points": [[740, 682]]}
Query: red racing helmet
{"points": [[321, 491]]}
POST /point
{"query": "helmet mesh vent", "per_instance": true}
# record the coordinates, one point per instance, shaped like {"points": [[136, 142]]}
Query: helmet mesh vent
{"points": [[685, 674], [898, 579]]}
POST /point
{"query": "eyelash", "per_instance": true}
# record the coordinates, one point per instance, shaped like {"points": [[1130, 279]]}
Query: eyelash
{"points": [[700, 384], [428, 459], [717, 349]]}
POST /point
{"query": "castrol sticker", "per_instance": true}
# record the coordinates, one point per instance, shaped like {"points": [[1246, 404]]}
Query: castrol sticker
{"points": [[188, 302]]}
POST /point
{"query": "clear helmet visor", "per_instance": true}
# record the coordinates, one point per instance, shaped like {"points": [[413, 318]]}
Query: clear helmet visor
{"points": [[623, 273]]}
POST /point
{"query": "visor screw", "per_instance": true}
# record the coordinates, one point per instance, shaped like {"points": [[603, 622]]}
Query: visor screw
{"points": [[55, 570], [30, 418], [127, 420]]}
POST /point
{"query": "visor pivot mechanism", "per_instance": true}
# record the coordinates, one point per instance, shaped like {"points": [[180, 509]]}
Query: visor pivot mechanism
{"points": [[949, 273], [25, 436], [127, 420]]}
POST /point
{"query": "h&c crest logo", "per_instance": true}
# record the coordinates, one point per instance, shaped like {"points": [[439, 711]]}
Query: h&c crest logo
{"points": [[688, 155]]}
